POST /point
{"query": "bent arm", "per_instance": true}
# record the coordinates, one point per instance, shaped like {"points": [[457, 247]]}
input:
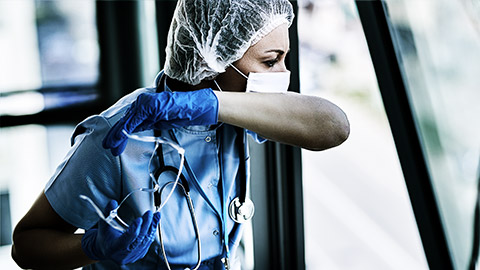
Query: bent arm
{"points": [[305, 121], [43, 240]]}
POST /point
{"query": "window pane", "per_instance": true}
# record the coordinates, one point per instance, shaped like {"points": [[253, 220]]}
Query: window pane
{"points": [[357, 210], [20, 64], [67, 41], [438, 42], [45, 44]]}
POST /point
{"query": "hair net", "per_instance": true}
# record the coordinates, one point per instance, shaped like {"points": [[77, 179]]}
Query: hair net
{"points": [[206, 36]]}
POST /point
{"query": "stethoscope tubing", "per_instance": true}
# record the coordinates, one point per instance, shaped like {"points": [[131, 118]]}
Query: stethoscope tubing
{"points": [[195, 225]]}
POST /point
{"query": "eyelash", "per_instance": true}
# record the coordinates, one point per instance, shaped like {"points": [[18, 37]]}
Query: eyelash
{"points": [[271, 63]]}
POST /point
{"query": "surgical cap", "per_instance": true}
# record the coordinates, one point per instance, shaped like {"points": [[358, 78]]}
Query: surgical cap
{"points": [[206, 36]]}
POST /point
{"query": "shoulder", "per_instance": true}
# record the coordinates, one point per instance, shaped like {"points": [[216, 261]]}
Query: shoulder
{"points": [[117, 110], [101, 123]]}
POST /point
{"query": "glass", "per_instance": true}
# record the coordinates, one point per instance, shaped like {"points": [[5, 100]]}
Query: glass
{"points": [[50, 46], [46, 43], [122, 223], [356, 204], [67, 42], [438, 43]]}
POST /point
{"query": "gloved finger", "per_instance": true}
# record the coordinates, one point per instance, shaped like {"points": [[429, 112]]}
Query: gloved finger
{"points": [[137, 120], [116, 140], [110, 206], [140, 252], [115, 136], [142, 248], [131, 234], [154, 224], [150, 236], [116, 151], [147, 110], [146, 221]]}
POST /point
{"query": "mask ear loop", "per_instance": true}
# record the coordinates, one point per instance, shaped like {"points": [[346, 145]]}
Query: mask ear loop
{"points": [[241, 73], [218, 86]]}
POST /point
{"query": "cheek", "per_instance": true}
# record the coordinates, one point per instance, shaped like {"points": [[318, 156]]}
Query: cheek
{"points": [[231, 81]]}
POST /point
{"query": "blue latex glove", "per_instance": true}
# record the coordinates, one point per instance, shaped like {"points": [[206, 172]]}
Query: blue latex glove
{"points": [[163, 110], [107, 243]]}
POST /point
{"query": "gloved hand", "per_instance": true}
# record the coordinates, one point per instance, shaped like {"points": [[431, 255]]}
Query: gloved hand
{"points": [[163, 110], [107, 243]]}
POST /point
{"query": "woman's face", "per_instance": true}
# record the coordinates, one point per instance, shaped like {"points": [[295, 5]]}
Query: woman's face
{"points": [[267, 55]]}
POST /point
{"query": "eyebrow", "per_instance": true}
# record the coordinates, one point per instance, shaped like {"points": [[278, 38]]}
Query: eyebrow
{"points": [[280, 52]]}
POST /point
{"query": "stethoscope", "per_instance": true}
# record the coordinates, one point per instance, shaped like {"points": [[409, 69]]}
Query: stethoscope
{"points": [[241, 209], [186, 191]]}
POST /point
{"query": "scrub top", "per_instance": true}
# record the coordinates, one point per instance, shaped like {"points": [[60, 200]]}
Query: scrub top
{"points": [[212, 170]]}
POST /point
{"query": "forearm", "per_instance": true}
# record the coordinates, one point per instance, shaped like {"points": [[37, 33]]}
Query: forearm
{"points": [[48, 249], [305, 121]]}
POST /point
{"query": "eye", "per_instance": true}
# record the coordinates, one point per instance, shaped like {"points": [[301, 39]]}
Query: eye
{"points": [[271, 63]]}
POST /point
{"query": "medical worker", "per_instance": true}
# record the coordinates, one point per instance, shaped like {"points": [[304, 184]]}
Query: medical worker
{"points": [[225, 76]]}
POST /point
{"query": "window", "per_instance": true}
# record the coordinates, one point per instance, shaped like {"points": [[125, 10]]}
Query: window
{"points": [[357, 210], [49, 53], [49, 59], [438, 43]]}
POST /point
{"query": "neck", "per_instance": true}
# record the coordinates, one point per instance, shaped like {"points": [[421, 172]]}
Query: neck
{"points": [[179, 86]]}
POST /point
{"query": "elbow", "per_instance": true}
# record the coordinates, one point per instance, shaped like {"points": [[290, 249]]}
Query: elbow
{"points": [[18, 258], [18, 252], [342, 132], [330, 135], [339, 128]]}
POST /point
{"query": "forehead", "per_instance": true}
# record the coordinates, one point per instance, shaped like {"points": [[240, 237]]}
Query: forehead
{"points": [[276, 40]]}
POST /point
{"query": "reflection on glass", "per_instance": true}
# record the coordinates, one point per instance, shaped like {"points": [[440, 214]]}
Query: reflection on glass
{"points": [[438, 42]]}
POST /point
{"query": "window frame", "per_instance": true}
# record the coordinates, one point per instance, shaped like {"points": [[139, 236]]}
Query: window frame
{"points": [[120, 68]]}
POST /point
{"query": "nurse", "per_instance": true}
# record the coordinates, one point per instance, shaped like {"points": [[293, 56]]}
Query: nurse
{"points": [[221, 56]]}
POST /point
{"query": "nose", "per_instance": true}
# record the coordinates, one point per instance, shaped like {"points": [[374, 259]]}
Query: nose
{"points": [[280, 67]]}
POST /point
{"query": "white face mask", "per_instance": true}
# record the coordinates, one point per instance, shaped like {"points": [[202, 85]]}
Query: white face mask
{"points": [[266, 82]]}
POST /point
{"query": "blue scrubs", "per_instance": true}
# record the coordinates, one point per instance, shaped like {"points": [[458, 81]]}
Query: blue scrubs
{"points": [[90, 170]]}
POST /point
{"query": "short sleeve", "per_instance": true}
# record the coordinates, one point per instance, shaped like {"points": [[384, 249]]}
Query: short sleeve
{"points": [[256, 137], [88, 170]]}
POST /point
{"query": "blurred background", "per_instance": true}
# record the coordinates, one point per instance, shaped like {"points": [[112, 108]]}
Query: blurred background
{"points": [[357, 211]]}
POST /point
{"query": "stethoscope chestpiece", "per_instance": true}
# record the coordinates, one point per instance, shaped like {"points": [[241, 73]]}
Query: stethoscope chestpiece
{"points": [[241, 212]]}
